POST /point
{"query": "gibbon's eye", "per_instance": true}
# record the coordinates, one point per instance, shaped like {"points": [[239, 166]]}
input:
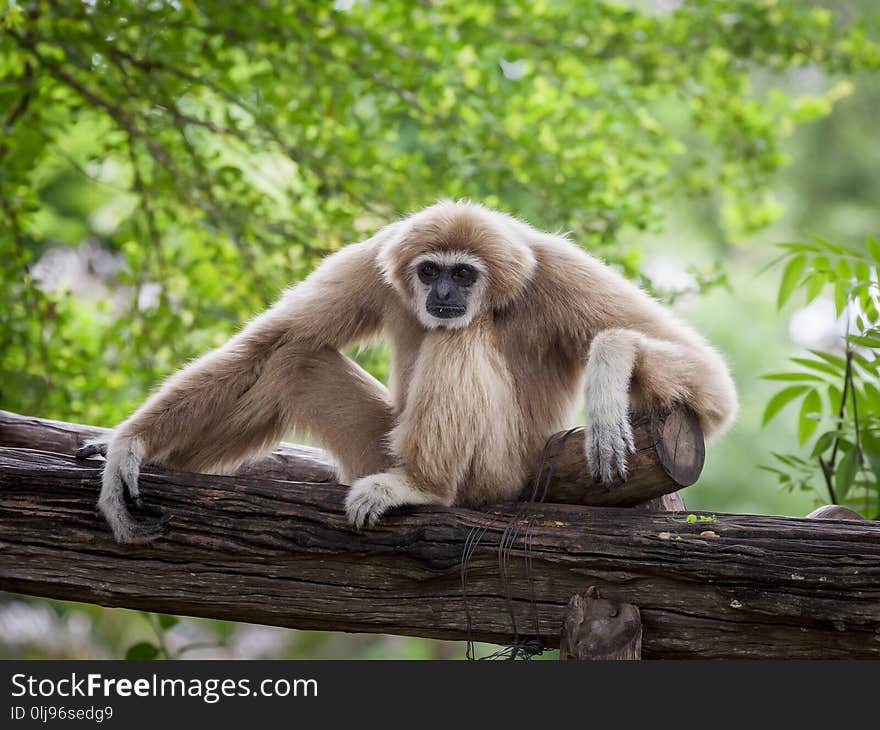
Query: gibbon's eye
{"points": [[464, 275], [428, 272]]}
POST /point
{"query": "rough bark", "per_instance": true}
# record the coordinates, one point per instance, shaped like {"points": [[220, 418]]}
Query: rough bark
{"points": [[281, 553]]}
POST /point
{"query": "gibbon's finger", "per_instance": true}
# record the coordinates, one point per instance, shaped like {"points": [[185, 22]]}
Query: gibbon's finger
{"points": [[136, 530], [87, 450], [600, 452], [373, 516], [628, 437], [119, 489], [133, 502], [627, 447], [362, 512], [112, 504], [607, 451], [372, 496], [358, 505]]}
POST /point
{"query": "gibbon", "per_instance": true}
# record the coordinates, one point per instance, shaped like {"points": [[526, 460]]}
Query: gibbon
{"points": [[497, 329]]}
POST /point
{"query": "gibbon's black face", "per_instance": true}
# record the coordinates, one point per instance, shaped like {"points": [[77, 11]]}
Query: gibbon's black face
{"points": [[450, 285]]}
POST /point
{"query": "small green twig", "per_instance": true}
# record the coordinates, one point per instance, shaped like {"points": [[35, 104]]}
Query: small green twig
{"points": [[153, 620]]}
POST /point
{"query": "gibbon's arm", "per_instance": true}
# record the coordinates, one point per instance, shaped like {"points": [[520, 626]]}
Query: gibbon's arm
{"points": [[640, 356], [231, 403]]}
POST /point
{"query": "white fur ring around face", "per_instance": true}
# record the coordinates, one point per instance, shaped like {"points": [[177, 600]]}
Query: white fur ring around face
{"points": [[371, 496]]}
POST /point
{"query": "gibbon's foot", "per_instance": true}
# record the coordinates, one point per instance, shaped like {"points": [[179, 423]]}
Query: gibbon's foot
{"points": [[84, 452], [608, 445], [371, 496]]}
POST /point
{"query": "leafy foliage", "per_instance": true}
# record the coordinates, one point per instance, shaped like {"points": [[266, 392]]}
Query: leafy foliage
{"points": [[838, 392], [209, 152]]}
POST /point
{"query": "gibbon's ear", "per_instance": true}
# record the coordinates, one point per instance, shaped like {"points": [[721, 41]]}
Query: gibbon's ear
{"points": [[500, 242]]}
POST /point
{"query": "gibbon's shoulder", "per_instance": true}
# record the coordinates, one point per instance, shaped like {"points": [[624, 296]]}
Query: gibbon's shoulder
{"points": [[573, 294]]}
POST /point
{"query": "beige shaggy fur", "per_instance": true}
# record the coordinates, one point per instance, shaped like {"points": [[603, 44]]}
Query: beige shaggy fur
{"points": [[472, 400]]}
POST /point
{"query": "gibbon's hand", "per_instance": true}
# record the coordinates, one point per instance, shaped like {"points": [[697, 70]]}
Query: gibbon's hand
{"points": [[372, 496], [131, 520], [609, 432], [609, 440]]}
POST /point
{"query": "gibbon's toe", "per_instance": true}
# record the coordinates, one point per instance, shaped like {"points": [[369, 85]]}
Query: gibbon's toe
{"points": [[367, 500]]}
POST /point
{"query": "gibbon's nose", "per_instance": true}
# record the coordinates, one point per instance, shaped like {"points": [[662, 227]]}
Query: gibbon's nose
{"points": [[443, 289]]}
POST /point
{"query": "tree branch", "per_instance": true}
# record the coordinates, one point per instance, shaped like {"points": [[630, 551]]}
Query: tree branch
{"points": [[282, 553]]}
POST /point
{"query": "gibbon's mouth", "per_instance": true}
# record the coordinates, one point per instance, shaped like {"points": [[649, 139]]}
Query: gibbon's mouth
{"points": [[446, 312]]}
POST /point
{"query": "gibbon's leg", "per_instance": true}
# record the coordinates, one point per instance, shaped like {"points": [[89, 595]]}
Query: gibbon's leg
{"points": [[281, 372], [345, 410], [627, 370], [322, 393]]}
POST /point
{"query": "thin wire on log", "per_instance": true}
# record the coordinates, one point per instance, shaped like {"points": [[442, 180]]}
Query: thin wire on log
{"points": [[520, 647]]}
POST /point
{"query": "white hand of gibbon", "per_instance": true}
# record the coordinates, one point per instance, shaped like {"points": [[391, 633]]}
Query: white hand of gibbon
{"points": [[372, 496], [609, 436], [609, 443]]}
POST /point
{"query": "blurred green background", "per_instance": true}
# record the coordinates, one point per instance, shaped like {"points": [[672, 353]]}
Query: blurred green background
{"points": [[166, 168]]}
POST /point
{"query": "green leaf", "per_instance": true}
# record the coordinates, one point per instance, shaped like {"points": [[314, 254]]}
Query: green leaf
{"points": [[872, 395], [142, 650], [794, 377], [820, 366], [821, 264], [871, 446], [791, 276], [799, 246], [814, 283], [845, 473], [824, 442], [874, 249], [791, 460], [166, 621], [841, 296], [781, 399], [838, 362], [835, 396], [872, 342], [807, 422], [828, 245], [773, 262]]}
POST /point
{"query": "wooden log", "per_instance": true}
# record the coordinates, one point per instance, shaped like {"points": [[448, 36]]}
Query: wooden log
{"points": [[594, 628], [669, 456], [263, 551], [670, 452], [287, 461], [834, 512]]}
